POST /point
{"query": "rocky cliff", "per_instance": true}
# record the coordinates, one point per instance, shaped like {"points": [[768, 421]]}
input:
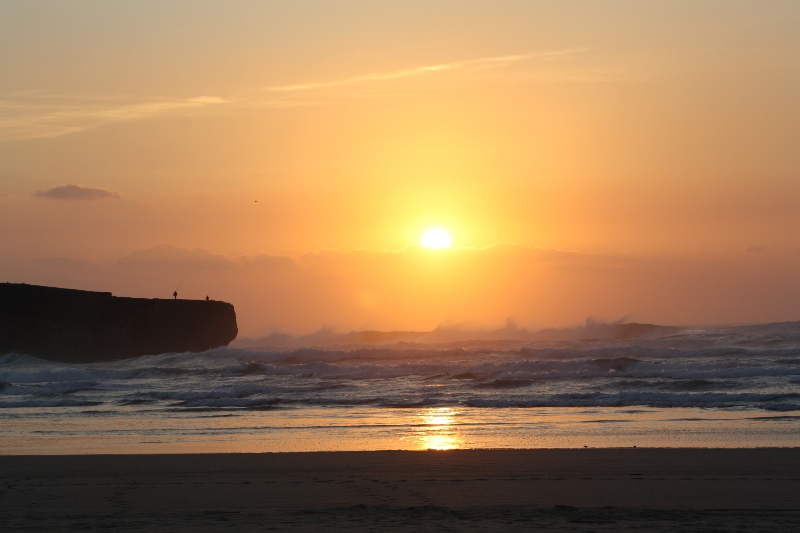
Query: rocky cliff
{"points": [[80, 326]]}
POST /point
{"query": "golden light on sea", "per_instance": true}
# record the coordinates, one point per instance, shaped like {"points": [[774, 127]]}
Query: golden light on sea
{"points": [[438, 430]]}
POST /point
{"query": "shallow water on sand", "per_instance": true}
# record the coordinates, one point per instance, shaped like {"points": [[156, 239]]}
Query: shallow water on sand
{"points": [[724, 386], [69, 430]]}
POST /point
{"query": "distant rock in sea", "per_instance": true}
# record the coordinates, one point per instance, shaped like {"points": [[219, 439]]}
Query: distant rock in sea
{"points": [[75, 326]]}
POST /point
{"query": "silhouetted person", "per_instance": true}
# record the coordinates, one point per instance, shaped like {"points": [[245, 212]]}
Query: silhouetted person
{"points": [[206, 298], [175, 295]]}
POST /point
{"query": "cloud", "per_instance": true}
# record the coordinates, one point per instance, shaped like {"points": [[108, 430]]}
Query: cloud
{"points": [[266, 260], [4, 195], [754, 249], [66, 262], [483, 62], [69, 191], [414, 289], [173, 257], [39, 116], [36, 115]]}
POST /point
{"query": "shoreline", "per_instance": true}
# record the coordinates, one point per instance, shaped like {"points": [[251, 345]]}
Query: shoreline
{"points": [[593, 489], [119, 430], [401, 450]]}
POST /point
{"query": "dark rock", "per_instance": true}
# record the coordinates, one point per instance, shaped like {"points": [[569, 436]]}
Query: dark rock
{"points": [[69, 325]]}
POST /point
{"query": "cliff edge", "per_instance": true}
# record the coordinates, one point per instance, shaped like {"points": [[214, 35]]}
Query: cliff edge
{"points": [[74, 326]]}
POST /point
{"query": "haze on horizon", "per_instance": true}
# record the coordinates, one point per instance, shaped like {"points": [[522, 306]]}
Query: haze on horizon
{"points": [[596, 159]]}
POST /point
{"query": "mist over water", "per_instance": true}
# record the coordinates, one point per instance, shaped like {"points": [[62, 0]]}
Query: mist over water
{"points": [[496, 393]]}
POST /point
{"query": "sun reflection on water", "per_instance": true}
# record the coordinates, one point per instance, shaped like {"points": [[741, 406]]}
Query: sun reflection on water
{"points": [[437, 430]]}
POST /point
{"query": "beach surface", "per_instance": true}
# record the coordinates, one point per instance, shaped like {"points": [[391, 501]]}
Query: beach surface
{"points": [[457, 490]]}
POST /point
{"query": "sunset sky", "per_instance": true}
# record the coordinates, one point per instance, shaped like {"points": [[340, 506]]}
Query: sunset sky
{"points": [[587, 159]]}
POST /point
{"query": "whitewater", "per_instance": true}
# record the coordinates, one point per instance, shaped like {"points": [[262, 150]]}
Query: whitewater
{"points": [[697, 386]]}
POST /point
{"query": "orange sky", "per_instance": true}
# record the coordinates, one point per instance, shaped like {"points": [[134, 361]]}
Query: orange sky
{"points": [[639, 158]]}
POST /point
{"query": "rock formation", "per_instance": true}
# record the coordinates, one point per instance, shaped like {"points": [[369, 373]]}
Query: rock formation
{"points": [[69, 325]]}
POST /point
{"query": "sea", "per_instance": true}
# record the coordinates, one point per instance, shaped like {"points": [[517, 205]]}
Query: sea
{"points": [[715, 386]]}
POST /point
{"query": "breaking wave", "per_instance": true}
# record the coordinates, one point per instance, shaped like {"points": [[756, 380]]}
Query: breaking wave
{"points": [[745, 367]]}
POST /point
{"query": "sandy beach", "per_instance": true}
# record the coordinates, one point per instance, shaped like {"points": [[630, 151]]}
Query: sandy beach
{"points": [[470, 490]]}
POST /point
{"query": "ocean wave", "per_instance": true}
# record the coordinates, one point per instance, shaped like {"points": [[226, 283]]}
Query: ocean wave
{"points": [[5, 404], [688, 369], [680, 384], [233, 402], [46, 389], [709, 368], [505, 383], [770, 402], [533, 369]]}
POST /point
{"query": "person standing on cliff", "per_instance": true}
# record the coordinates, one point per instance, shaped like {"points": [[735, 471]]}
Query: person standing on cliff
{"points": [[175, 295]]}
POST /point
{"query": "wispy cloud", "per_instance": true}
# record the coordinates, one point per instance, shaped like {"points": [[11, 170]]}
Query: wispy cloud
{"points": [[75, 192], [174, 257], [41, 116], [483, 62], [35, 115]]}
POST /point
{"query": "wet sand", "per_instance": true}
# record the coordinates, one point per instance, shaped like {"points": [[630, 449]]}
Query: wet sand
{"points": [[477, 490]]}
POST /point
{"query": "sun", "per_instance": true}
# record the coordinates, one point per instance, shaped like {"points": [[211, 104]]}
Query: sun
{"points": [[435, 238]]}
